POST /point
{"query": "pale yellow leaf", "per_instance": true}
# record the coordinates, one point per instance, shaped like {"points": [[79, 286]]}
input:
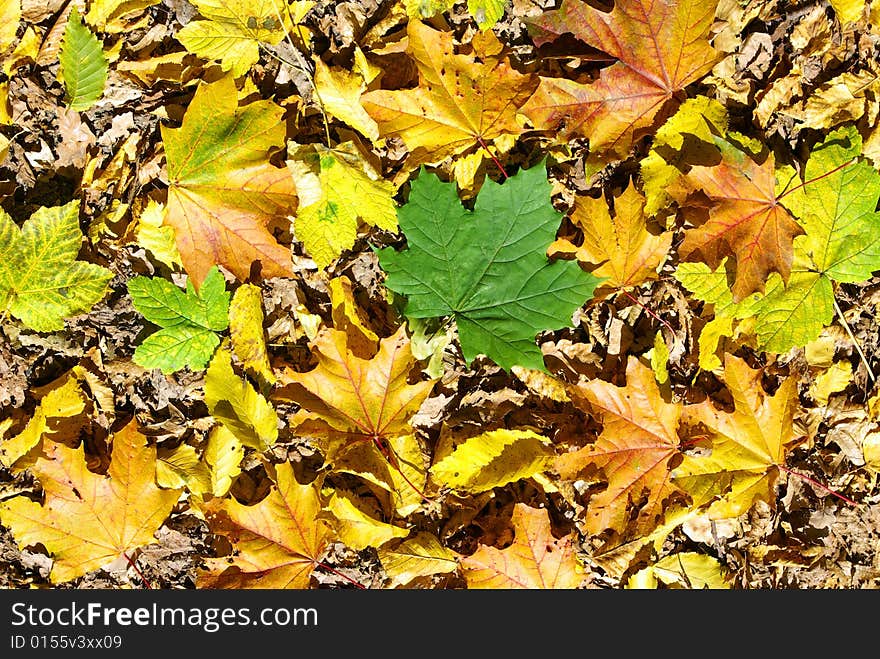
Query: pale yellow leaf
{"points": [[340, 92], [493, 459], [357, 529], [420, 556], [158, 238], [181, 467], [684, 570], [336, 188], [246, 331], [223, 454], [831, 381], [237, 405], [10, 15], [64, 402]]}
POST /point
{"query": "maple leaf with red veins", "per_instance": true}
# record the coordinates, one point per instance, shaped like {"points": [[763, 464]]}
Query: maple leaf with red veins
{"points": [[634, 452], [746, 220], [661, 46]]}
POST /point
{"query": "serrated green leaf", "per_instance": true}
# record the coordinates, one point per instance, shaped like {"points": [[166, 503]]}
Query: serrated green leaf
{"points": [[837, 208], [190, 321], [41, 282], [795, 314], [237, 405], [487, 267], [83, 65]]}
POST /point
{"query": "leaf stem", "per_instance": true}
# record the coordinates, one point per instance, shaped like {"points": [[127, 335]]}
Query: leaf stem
{"points": [[136, 569], [855, 342], [340, 574], [816, 483], [818, 178], [492, 156], [649, 312]]}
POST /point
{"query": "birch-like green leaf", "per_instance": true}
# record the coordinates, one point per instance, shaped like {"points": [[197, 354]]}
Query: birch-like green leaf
{"points": [[487, 267], [41, 282], [83, 65], [190, 321]]}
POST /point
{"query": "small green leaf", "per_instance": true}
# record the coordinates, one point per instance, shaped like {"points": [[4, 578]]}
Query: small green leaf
{"points": [[488, 267], [41, 282], [190, 321], [83, 65]]}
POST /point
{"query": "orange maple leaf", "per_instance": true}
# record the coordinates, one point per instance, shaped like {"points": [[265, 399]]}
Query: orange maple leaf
{"points": [[660, 46], [223, 192], [87, 519], [747, 445], [535, 559], [460, 102], [638, 442], [746, 220], [277, 543]]}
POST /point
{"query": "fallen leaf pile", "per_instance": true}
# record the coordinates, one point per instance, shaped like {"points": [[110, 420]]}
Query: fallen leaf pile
{"points": [[448, 295]]}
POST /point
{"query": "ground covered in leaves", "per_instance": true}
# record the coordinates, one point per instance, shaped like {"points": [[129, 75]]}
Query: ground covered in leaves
{"points": [[388, 294]]}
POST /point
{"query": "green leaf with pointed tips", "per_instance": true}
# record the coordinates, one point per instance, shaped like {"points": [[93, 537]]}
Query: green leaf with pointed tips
{"points": [[487, 267], [190, 321], [83, 65], [41, 282]]}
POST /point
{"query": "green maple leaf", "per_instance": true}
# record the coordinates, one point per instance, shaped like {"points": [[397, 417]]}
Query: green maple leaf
{"points": [[189, 320], [836, 206], [41, 282], [488, 267]]}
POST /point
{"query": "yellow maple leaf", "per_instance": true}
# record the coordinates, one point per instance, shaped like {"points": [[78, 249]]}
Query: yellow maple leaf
{"points": [[460, 102], [89, 520], [639, 440], [620, 250], [535, 559], [747, 445], [277, 543]]}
